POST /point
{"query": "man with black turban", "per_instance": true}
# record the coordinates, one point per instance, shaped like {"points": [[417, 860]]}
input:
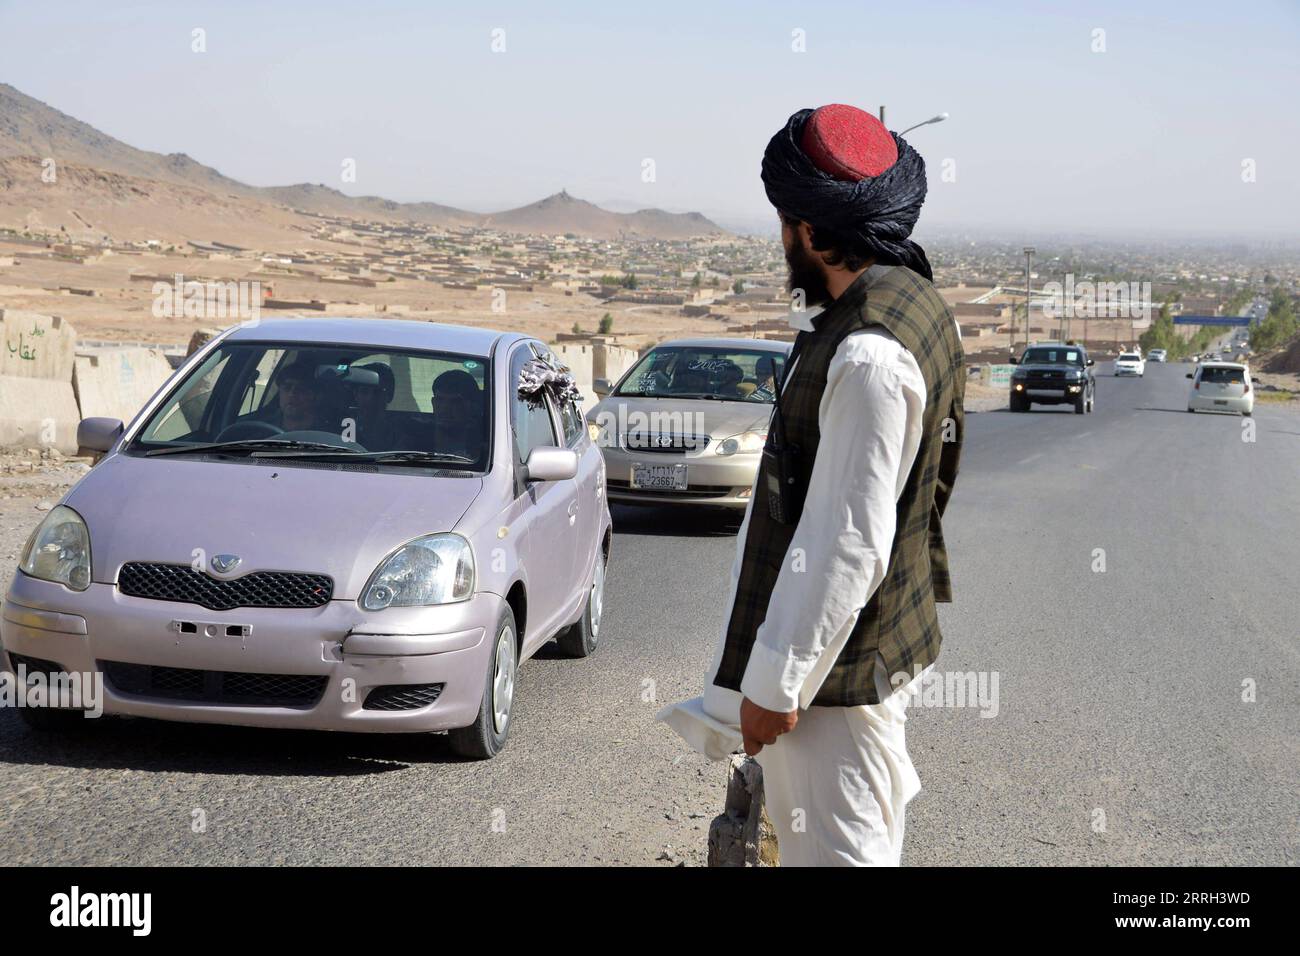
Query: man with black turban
{"points": [[841, 560]]}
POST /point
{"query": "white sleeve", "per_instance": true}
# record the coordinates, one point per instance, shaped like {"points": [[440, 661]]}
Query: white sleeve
{"points": [[870, 423]]}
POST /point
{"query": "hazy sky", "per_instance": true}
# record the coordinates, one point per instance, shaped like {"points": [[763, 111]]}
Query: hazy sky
{"points": [[1045, 134]]}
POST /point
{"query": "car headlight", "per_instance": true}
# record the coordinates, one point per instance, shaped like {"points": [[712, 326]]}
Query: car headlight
{"points": [[59, 550], [435, 569], [746, 443]]}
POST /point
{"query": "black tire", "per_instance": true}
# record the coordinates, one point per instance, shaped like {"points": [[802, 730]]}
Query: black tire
{"points": [[1246, 414], [51, 720], [1019, 403], [580, 639], [1191, 411], [486, 737], [1080, 405]]}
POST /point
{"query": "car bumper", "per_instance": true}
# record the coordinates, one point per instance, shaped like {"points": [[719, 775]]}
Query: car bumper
{"points": [[1053, 394], [354, 657], [712, 479], [1127, 371], [1244, 403]]}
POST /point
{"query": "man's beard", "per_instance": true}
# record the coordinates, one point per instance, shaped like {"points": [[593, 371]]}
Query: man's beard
{"points": [[806, 275]]}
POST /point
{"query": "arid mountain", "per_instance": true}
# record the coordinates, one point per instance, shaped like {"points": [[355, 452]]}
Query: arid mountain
{"points": [[562, 213], [89, 204], [31, 132]]}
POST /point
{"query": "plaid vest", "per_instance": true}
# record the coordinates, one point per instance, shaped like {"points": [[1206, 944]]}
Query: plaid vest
{"points": [[900, 620]]}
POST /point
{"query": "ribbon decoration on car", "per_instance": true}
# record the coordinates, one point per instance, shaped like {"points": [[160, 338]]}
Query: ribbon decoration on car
{"points": [[539, 374]]}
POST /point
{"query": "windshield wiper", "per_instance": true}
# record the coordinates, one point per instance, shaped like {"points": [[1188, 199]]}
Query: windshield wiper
{"points": [[250, 445], [332, 452]]}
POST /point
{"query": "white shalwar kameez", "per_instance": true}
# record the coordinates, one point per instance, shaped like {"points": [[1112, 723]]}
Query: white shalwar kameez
{"points": [[837, 785]]}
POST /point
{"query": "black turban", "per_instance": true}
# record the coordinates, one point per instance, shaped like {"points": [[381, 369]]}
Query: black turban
{"points": [[876, 212]]}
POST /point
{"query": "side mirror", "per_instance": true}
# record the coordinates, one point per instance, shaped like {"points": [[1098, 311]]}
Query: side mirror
{"points": [[1091, 362], [601, 387], [551, 464], [98, 434], [1189, 374], [1014, 360]]}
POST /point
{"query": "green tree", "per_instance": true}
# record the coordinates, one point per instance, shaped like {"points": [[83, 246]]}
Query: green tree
{"points": [[606, 323], [1278, 325], [738, 286]]}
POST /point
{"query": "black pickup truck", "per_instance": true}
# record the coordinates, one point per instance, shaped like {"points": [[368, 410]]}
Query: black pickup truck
{"points": [[1053, 373]]}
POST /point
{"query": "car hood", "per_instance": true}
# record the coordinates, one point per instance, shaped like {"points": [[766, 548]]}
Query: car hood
{"points": [[275, 517], [680, 415]]}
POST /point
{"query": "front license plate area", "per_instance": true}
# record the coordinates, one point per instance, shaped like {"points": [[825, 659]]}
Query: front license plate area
{"points": [[658, 477]]}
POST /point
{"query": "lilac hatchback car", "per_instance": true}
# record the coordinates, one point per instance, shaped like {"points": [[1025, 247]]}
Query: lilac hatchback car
{"points": [[354, 525]]}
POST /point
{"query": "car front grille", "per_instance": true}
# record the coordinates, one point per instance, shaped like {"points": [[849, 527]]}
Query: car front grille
{"points": [[402, 696], [180, 582], [214, 687], [663, 444]]}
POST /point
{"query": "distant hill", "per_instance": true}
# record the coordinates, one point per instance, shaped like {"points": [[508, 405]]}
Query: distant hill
{"points": [[31, 130]]}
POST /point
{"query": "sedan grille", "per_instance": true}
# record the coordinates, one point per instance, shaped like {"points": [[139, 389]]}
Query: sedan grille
{"points": [[664, 444], [180, 582], [215, 687]]}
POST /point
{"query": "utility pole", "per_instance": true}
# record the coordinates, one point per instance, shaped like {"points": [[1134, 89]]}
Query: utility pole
{"points": [[1029, 255]]}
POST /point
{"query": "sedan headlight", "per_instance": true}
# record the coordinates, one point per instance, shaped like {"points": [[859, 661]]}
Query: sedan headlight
{"points": [[435, 569], [59, 550], [746, 443]]}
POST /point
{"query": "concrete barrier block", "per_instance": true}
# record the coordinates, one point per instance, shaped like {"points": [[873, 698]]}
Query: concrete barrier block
{"points": [[116, 383], [200, 338], [38, 413], [33, 345], [611, 361]]}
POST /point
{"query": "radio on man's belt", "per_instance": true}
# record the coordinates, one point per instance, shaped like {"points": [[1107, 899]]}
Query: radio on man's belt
{"points": [[785, 487], [785, 476]]}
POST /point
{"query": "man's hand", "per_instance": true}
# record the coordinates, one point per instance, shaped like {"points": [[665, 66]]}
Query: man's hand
{"points": [[760, 726]]}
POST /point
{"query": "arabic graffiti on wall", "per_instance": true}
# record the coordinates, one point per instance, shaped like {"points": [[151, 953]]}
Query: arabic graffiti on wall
{"points": [[24, 350]]}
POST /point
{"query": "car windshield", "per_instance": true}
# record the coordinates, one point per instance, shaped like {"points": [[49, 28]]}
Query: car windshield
{"points": [[1062, 356], [707, 372], [309, 400], [1129, 357], [1223, 376]]}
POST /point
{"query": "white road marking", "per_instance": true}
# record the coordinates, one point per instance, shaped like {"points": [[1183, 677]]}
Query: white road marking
{"points": [[1030, 458]]}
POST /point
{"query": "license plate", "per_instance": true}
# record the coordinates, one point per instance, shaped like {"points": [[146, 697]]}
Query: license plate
{"points": [[1220, 401], [659, 477]]}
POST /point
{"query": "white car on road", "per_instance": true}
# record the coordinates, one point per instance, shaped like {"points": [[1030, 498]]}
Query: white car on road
{"points": [[1157, 355], [1221, 387], [1130, 363]]}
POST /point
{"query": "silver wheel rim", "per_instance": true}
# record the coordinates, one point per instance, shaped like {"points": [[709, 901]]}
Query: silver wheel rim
{"points": [[597, 603], [503, 679]]}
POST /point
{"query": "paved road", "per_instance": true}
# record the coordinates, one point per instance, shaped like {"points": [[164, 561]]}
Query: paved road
{"points": [[1121, 735]]}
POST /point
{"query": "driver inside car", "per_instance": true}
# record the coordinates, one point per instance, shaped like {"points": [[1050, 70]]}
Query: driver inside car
{"points": [[301, 398]]}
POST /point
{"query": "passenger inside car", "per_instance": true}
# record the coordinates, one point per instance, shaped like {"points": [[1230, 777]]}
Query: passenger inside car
{"points": [[689, 381], [376, 430], [459, 413], [731, 382]]}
